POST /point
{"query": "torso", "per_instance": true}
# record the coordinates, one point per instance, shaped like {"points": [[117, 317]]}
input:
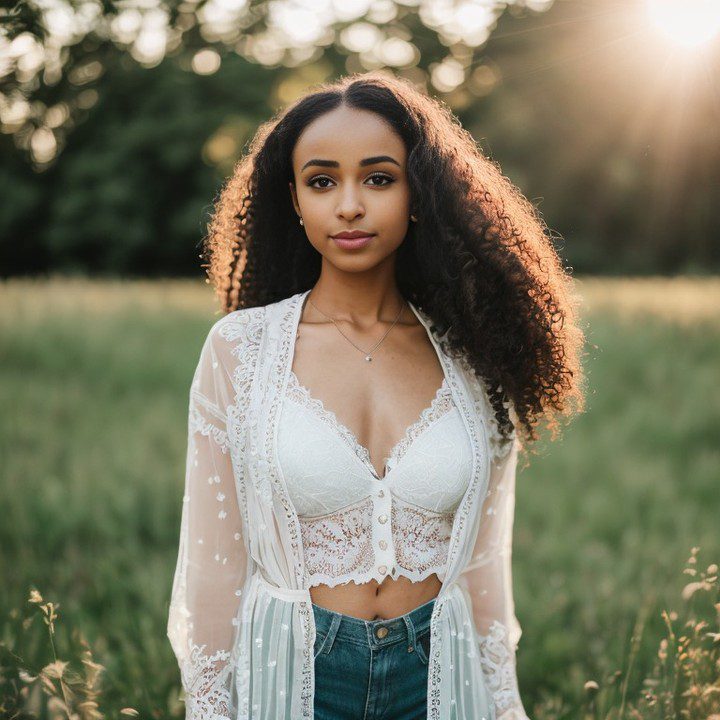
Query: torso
{"points": [[377, 400]]}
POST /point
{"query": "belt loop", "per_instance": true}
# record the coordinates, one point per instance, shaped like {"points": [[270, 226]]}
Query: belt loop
{"points": [[411, 632], [331, 633]]}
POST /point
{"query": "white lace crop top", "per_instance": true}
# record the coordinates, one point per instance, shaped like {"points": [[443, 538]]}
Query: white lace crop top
{"points": [[356, 525]]}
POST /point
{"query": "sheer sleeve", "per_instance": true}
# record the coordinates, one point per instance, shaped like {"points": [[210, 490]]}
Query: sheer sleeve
{"points": [[488, 579], [212, 559]]}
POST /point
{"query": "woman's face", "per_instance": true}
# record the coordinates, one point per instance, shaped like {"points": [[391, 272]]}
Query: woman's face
{"points": [[350, 174]]}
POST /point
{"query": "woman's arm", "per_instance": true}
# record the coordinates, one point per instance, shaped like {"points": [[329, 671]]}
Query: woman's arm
{"points": [[488, 580], [212, 558]]}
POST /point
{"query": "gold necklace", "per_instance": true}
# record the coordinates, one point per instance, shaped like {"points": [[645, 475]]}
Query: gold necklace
{"points": [[368, 357]]}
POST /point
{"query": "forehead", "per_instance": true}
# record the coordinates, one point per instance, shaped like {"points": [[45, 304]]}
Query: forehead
{"points": [[348, 135]]}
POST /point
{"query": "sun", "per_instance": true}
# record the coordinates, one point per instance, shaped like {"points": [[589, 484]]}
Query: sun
{"points": [[686, 22]]}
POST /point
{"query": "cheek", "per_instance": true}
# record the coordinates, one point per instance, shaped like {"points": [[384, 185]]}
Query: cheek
{"points": [[402, 194], [394, 206]]}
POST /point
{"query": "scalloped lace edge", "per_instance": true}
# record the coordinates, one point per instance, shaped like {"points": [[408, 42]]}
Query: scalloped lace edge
{"points": [[499, 668], [207, 691]]}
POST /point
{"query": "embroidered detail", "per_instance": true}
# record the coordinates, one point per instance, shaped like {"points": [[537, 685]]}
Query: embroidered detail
{"points": [[440, 404], [207, 679], [198, 423], [419, 536], [346, 532], [498, 664], [421, 539], [243, 328]]}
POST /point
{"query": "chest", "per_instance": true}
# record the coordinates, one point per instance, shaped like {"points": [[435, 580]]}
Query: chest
{"points": [[327, 469], [377, 401]]}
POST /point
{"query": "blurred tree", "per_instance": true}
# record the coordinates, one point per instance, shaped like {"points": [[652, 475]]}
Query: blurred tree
{"points": [[610, 128], [131, 192], [55, 57]]}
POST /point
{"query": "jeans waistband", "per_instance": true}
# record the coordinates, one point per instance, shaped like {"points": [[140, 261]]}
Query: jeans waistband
{"points": [[373, 633]]}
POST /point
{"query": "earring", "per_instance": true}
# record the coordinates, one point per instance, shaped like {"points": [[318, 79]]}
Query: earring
{"points": [[413, 218], [301, 221]]}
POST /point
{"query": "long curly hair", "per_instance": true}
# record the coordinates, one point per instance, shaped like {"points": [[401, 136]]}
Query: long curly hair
{"points": [[479, 261]]}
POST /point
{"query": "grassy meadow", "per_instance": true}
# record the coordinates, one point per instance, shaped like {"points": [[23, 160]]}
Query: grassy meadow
{"points": [[94, 378]]}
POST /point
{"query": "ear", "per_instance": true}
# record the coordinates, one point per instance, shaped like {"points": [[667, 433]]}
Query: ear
{"points": [[293, 195]]}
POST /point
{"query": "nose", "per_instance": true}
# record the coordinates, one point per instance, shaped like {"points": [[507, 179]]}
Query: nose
{"points": [[350, 206]]}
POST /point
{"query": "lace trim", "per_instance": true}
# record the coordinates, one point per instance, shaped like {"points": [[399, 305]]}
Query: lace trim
{"points": [[347, 533], [209, 405], [245, 325], [198, 423], [421, 539], [338, 547], [441, 403], [206, 679], [498, 664]]}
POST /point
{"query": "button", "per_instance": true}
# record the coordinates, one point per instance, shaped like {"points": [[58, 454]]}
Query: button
{"points": [[411, 648], [382, 569], [382, 519], [381, 632], [383, 544], [381, 493]]}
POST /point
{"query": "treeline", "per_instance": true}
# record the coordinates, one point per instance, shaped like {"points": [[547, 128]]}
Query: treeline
{"points": [[622, 161]]}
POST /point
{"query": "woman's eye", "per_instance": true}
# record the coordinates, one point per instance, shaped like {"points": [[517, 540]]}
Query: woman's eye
{"points": [[379, 180], [380, 176], [312, 181]]}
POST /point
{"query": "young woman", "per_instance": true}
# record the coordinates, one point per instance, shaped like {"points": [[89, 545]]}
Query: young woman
{"points": [[396, 323]]}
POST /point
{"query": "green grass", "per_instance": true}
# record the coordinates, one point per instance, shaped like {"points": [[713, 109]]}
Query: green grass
{"points": [[605, 519], [92, 440]]}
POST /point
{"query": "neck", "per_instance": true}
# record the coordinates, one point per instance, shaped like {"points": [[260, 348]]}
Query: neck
{"points": [[359, 300]]}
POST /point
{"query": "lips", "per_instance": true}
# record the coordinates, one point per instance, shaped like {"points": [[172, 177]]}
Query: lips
{"points": [[352, 235], [352, 241]]}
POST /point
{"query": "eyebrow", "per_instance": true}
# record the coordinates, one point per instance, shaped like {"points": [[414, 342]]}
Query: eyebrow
{"points": [[366, 161]]}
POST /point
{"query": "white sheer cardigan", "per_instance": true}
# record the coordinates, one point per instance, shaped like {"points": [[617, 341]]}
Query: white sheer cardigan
{"points": [[240, 620]]}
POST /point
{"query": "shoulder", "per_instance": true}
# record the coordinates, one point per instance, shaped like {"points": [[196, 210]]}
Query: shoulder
{"points": [[240, 332], [248, 324], [238, 327]]}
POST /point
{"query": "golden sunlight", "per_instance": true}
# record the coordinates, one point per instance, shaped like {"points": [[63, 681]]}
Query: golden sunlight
{"points": [[686, 22]]}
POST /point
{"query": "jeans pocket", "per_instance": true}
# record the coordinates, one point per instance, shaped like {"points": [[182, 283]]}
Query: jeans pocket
{"points": [[319, 642], [422, 641]]}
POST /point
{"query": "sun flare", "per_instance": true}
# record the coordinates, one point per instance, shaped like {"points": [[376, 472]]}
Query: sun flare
{"points": [[686, 22]]}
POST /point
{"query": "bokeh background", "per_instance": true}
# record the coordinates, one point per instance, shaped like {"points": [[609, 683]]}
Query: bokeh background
{"points": [[119, 121]]}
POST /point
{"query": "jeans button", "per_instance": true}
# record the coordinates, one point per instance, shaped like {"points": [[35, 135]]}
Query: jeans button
{"points": [[381, 632]]}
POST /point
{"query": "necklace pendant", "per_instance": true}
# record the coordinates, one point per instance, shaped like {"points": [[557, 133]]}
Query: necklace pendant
{"points": [[368, 358]]}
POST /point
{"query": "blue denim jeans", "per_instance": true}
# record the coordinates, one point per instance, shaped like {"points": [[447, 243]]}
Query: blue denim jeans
{"points": [[372, 669]]}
